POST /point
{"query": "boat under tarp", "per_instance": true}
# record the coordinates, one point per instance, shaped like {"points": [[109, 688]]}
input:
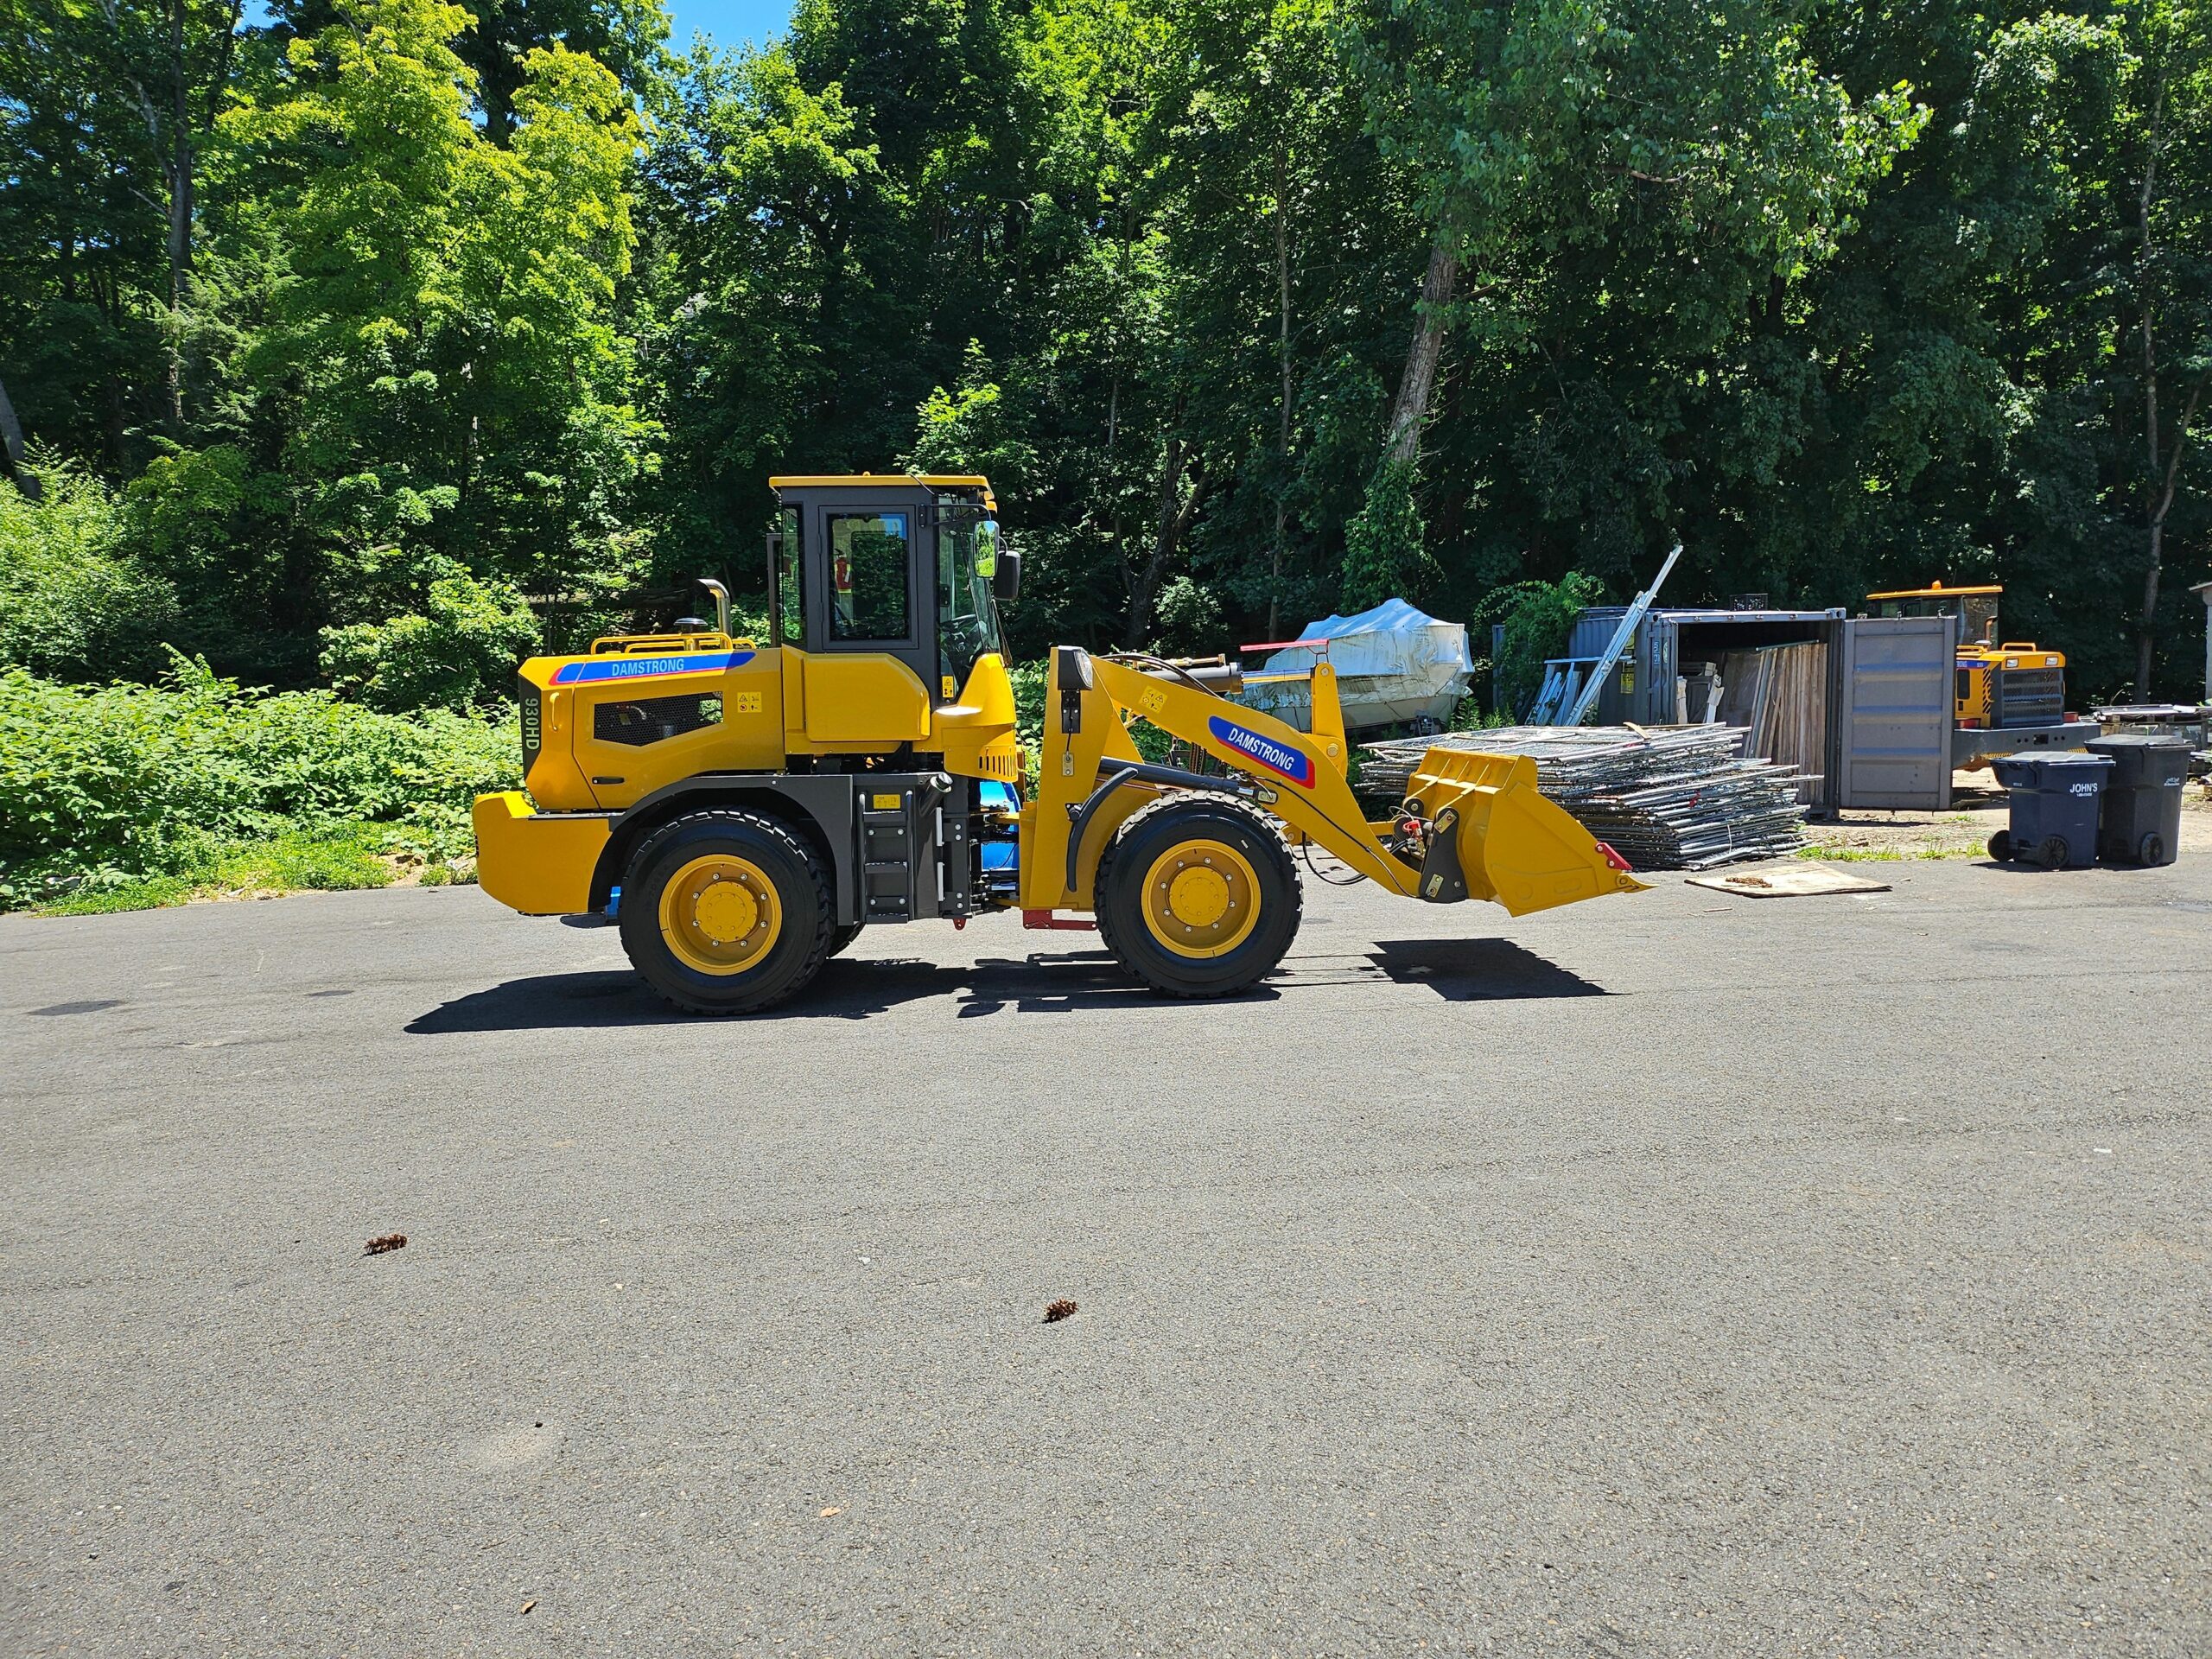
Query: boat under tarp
{"points": [[1395, 666]]}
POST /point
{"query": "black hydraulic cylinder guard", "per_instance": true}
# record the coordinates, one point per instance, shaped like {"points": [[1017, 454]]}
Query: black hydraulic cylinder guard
{"points": [[1442, 880]]}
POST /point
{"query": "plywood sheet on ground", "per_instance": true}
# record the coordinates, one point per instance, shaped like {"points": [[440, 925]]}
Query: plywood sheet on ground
{"points": [[1789, 881]]}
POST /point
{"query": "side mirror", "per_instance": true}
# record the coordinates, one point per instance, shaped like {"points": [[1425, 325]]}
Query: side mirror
{"points": [[1006, 580]]}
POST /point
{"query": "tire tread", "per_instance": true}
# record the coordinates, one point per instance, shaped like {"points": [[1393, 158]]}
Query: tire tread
{"points": [[793, 845], [1278, 853]]}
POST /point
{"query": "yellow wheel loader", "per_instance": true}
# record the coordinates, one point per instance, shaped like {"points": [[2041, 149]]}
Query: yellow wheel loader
{"points": [[743, 808]]}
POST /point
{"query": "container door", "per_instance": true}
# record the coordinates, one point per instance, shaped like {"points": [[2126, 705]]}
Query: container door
{"points": [[1894, 738]]}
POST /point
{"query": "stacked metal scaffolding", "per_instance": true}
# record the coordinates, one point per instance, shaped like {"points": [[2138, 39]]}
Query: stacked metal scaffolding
{"points": [[1676, 798]]}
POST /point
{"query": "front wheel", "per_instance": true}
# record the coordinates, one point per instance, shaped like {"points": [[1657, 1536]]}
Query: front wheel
{"points": [[1197, 896], [725, 911]]}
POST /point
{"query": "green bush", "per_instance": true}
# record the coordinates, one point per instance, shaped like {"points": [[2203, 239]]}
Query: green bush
{"points": [[72, 602], [457, 652], [1538, 618], [101, 785]]}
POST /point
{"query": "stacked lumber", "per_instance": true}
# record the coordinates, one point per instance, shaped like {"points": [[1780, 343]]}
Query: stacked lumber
{"points": [[1778, 695], [1672, 798]]}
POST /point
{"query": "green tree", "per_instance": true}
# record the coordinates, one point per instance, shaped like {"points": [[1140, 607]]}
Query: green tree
{"points": [[456, 388], [1702, 153]]}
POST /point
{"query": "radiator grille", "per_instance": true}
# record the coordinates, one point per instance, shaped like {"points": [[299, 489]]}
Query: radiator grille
{"points": [[2031, 696]]}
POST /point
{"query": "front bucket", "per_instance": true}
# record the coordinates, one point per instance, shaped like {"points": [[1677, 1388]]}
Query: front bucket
{"points": [[1515, 846]]}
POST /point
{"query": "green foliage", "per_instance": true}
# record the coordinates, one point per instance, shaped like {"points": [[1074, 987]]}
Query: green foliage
{"points": [[1384, 552], [459, 651], [1536, 617], [972, 429], [137, 780], [326, 858], [462, 392], [72, 600], [327, 304]]}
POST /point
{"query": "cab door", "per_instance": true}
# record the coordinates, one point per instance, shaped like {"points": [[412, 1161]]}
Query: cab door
{"points": [[871, 633]]}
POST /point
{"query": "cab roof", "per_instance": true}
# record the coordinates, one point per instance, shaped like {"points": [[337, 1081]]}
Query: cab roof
{"points": [[1936, 591], [878, 480]]}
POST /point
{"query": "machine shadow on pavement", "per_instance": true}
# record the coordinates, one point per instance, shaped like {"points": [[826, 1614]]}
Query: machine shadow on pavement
{"points": [[1459, 970], [851, 988], [1479, 971]]}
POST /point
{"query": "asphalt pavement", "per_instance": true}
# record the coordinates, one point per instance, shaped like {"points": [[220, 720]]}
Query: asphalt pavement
{"points": [[1681, 1273]]}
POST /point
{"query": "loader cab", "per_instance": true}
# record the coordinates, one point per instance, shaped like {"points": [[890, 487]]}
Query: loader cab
{"points": [[907, 569], [1975, 607]]}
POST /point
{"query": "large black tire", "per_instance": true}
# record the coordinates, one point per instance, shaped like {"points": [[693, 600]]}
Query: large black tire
{"points": [[783, 863], [1153, 834], [840, 938]]}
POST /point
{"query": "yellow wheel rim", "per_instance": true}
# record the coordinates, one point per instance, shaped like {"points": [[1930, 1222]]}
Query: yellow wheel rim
{"points": [[1201, 899], [720, 914]]}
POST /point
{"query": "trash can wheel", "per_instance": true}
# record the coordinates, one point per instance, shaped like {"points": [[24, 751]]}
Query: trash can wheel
{"points": [[2153, 849], [2052, 855], [2001, 846]]}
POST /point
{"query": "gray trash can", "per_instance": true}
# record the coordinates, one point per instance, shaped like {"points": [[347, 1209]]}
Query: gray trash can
{"points": [[2054, 801], [2141, 822]]}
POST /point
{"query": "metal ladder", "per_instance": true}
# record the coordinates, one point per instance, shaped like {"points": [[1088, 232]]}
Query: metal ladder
{"points": [[1567, 688]]}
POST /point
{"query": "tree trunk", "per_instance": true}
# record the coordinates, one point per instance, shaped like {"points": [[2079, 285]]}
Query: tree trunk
{"points": [[1282, 357], [1402, 444], [180, 182], [2155, 508], [11, 449], [2161, 503], [1176, 511]]}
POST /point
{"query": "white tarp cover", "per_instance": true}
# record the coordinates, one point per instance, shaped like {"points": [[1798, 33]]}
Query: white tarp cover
{"points": [[1392, 639], [1392, 663]]}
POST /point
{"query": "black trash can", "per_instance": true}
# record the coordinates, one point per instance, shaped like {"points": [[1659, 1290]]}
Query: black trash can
{"points": [[2142, 799], [2055, 800]]}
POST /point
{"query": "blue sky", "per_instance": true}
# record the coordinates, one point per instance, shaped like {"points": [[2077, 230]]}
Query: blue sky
{"points": [[730, 21]]}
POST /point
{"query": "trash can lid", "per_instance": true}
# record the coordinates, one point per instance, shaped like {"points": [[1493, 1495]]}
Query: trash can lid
{"points": [[2030, 769], [2056, 758], [2135, 740]]}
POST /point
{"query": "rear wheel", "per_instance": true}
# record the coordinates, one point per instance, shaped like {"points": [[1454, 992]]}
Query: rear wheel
{"points": [[725, 911], [2001, 846], [2153, 849], [1197, 896], [2054, 853]]}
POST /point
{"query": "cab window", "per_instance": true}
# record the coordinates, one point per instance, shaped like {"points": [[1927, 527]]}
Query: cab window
{"points": [[791, 595], [967, 622], [869, 558]]}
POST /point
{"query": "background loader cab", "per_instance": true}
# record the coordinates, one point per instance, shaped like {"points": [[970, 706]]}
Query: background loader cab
{"points": [[2000, 685]]}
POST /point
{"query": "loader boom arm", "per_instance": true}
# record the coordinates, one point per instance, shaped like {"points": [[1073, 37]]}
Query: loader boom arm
{"points": [[1494, 834], [1301, 779]]}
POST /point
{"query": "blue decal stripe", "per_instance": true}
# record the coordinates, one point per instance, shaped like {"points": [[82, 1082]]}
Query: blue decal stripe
{"points": [[647, 668], [1280, 758]]}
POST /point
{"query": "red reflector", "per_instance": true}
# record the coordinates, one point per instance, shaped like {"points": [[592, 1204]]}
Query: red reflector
{"points": [[1615, 859]]}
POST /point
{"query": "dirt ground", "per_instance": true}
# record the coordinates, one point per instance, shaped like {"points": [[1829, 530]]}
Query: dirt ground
{"points": [[1978, 811]]}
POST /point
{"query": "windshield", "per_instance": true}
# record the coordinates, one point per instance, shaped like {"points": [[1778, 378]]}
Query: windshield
{"points": [[1977, 611], [968, 617]]}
